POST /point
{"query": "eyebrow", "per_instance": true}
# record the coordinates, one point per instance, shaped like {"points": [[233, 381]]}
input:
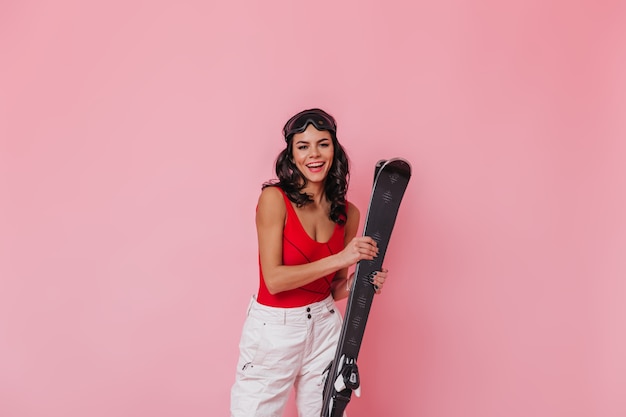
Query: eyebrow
{"points": [[307, 142]]}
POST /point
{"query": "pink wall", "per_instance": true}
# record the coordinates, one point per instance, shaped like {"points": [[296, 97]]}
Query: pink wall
{"points": [[134, 136]]}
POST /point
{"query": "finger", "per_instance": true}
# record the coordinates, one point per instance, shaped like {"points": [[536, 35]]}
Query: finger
{"points": [[374, 281], [369, 241], [368, 251]]}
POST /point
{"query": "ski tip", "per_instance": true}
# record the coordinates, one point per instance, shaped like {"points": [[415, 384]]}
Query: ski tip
{"points": [[377, 168], [397, 164]]}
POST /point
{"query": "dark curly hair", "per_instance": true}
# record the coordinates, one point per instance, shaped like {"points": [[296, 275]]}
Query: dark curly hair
{"points": [[292, 181]]}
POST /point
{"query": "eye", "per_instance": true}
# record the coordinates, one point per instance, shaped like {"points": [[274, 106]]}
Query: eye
{"points": [[325, 145], [302, 147]]}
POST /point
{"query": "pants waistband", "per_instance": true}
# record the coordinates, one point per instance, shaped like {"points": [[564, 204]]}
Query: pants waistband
{"points": [[284, 315]]}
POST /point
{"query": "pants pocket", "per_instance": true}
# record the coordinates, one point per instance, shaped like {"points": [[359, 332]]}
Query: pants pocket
{"points": [[250, 343]]}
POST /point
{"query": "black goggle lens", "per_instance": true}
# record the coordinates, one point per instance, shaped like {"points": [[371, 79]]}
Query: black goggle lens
{"points": [[299, 123]]}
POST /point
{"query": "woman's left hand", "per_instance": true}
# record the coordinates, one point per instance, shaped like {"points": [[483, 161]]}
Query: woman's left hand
{"points": [[379, 279]]}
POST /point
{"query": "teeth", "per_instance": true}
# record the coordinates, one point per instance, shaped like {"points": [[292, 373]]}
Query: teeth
{"points": [[315, 165]]}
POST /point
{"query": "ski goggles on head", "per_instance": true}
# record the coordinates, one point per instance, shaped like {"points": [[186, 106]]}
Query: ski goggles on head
{"points": [[316, 117]]}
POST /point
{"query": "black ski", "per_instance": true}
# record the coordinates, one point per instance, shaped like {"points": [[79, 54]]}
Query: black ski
{"points": [[391, 178]]}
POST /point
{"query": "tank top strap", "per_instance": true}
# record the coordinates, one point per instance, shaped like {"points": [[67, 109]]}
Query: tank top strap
{"points": [[290, 209]]}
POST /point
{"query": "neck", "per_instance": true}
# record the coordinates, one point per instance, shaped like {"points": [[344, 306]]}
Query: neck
{"points": [[316, 191]]}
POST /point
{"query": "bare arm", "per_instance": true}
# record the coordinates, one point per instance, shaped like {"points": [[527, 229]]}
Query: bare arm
{"points": [[270, 221]]}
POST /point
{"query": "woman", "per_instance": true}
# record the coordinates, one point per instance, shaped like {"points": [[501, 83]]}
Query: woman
{"points": [[307, 241]]}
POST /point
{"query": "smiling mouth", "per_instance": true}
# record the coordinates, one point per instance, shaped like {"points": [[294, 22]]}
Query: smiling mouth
{"points": [[315, 165]]}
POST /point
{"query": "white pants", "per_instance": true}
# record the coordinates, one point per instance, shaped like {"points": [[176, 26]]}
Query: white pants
{"points": [[282, 348]]}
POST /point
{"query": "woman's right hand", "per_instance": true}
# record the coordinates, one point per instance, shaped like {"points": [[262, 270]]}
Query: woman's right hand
{"points": [[359, 248]]}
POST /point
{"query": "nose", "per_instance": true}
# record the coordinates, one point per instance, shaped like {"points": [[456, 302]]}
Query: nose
{"points": [[315, 151]]}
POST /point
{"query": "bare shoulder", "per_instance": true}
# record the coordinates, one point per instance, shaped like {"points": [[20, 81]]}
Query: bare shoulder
{"points": [[352, 223], [353, 213], [271, 204], [271, 195]]}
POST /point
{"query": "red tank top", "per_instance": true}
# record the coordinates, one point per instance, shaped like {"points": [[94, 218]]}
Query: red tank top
{"points": [[299, 248]]}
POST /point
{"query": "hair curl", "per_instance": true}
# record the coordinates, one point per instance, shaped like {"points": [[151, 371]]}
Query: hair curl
{"points": [[292, 181]]}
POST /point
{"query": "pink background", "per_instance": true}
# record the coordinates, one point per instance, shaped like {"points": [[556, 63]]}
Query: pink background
{"points": [[134, 136]]}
